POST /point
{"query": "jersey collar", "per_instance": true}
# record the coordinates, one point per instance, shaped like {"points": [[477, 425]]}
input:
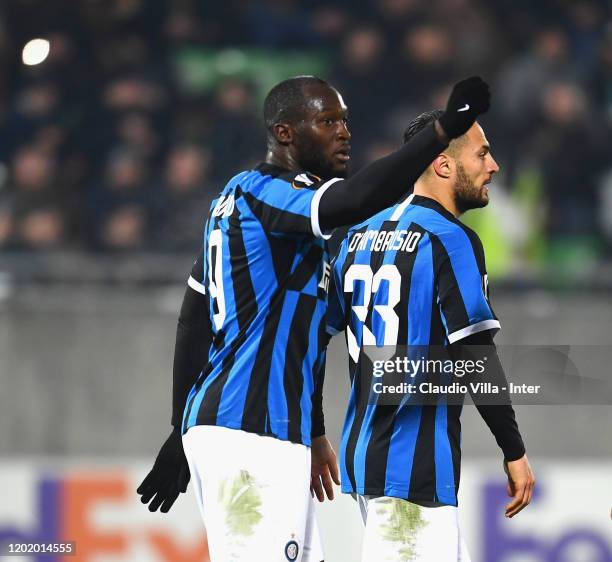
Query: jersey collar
{"points": [[423, 201], [271, 170]]}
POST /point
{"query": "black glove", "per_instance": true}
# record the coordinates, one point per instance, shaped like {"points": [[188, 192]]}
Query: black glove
{"points": [[168, 477], [467, 101]]}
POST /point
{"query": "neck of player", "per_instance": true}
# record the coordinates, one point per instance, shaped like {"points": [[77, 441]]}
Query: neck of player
{"points": [[437, 193], [282, 159]]}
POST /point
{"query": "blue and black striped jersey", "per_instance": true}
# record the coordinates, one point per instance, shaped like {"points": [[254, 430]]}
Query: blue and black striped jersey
{"points": [[411, 275], [265, 269]]}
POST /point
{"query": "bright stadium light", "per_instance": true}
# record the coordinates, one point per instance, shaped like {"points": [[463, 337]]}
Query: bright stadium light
{"points": [[35, 51]]}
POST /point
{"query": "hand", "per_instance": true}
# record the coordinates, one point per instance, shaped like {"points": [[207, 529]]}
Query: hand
{"points": [[469, 99], [324, 469], [168, 477], [520, 484]]}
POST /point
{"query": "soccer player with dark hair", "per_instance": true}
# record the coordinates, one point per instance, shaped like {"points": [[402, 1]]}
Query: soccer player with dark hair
{"points": [[250, 348], [413, 275]]}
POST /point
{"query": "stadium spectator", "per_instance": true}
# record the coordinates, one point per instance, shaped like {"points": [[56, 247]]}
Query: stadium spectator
{"points": [[234, 118], [186, 194], [122, 207], [37, 218], [152, 75]]}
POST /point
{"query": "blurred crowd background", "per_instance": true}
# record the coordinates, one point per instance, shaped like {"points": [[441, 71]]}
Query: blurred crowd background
{"points": [[117, 142], [111, 149]]}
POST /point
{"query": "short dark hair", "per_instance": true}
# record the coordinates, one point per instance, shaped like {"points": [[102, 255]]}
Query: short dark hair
{"points": [[420, 122], [286, 100]]}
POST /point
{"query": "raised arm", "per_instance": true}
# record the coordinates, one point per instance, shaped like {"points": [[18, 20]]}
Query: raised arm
{"points": [[385, 181]]}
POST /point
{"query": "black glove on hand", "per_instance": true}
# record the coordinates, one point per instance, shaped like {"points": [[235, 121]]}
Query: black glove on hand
{"points": [[467, 101], [168, 477]]}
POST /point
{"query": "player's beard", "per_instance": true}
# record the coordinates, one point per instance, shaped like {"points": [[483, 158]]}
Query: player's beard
{"points": [[314, 161], [467, 195]]}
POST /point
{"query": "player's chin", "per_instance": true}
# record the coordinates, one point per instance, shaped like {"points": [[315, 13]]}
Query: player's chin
{"points": [[482, 202], [477, 202], [339, 169], [484, 196]]}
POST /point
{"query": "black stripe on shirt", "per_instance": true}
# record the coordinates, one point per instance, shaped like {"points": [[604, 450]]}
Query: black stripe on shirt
{"points": [[453, 431], [278, 220], [356, 382], [246, 310], [423, 477], [293, 379], [384, 417], [308, 267], [255, 414], [451, 301]]}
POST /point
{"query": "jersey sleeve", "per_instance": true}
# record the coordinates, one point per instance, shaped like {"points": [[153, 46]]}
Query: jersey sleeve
{"points": [[462, 285], [336, 305], [196, 279], [290, 205]]}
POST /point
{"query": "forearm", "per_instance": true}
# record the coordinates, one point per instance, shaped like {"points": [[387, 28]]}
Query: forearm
{"points": [[193, 338], [318, 419], [382, 183], [500, 417]]}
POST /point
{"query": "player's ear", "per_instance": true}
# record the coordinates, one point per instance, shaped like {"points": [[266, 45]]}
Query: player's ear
{"points": [[442, 166], [283, 133]]}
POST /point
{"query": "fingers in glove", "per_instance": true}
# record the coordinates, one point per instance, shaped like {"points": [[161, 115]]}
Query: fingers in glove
{"points": [[157, 501], [148, 495], [169, 501], [147, 483]]}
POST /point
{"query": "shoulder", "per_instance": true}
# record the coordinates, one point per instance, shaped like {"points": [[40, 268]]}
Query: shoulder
{"points": [[473, 241], [455, 236], [264, 174], [459, 243], [372, 223]]}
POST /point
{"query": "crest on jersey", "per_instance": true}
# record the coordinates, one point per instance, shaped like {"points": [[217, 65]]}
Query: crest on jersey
{"points": [[291, 551], [304, 180]]}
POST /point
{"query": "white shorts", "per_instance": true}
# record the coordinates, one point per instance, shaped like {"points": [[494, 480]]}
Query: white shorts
{"points": [[254, 496], [400, 531]]}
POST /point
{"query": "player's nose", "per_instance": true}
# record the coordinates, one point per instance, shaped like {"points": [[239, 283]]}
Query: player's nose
{"points": [[493, 165], [343, 131]]}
